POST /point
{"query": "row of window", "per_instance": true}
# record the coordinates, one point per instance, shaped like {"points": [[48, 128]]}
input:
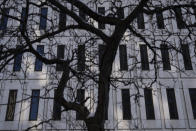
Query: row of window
{"points": [[101, 10], [126, 105], [122, 54], [150, 113]]}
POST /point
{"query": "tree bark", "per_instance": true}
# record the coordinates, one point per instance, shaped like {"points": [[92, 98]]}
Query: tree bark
{"points": [[95, 126]]}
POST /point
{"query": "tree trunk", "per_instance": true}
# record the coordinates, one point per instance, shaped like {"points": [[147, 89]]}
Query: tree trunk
{"points": [[95, 126]]}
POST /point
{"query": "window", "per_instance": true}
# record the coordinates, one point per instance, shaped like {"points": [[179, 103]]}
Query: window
{"points": [[140, 21], [34, 105], [120, 13], [160, 20], [62, 20], [17, 61], [4, 19], [56, 108], [186, 57], [11, 105], [172, 104], [81, 57], [179, 19], [101, 10], [144, 57], [38, 63], [60, 55], [43, 18], [149, 104], [101, 51], [192, 93], [80, 98], [123, 57], [165, 57], [194, 9], [1, 50], [126, 106], [82, 15], [23, 15], [106, 113]]}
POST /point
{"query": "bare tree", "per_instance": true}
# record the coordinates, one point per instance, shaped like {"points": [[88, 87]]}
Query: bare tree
{"points": [[88, 29]]}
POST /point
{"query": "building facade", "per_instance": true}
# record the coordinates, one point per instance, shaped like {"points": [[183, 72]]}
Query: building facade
{"points": [[149, 90]]}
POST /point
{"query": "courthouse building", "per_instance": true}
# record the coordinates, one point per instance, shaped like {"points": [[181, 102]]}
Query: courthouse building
{"points": [[146, 93]]}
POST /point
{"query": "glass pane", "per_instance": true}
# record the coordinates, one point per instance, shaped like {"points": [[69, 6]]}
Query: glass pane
{"points": [[81, 57], [144, 57], [140, 21], [160, 20], [126, 106], [123, 57], [192, 93], [34, 105], [179, 18], [17, 61], [56, 108], [172, 104], [38, 63], [186, 57], [11, 105], [60, 55], [62, 20], [101, 10], [43, 18], [80, 97], [4, 19], [149, 104], [165, 57]]}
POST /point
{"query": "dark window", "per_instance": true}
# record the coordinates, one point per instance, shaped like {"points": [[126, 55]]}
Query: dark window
{"points": [[120, 13], [194, 9], [165, 57], [1, 50], [4, 19], [101, 52], [106, 113], [17, 61], [56, 108], [101, 10], [82, 15], [62, 20], [140, 21], [160, 20], [192, 93], [34, 105], [123, 57], [11, 105], [60, 55], [144, 57], [23, 15], [80, 98], [126, 106], [172, 104], [38, 63], [43, 18], [81, 57], [149, 104], [179, 19], [186, 57]]}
